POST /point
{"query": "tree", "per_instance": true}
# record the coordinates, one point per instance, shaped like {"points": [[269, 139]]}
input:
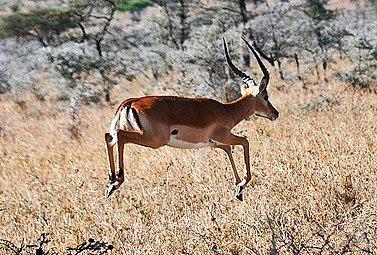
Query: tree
{"points": [[175, 26], [276, 33], [192, 47], [42, 24], [74, 37], [360, 49]]}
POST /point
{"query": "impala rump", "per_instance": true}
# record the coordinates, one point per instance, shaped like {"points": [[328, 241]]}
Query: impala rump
{"points": [[127, 119]]}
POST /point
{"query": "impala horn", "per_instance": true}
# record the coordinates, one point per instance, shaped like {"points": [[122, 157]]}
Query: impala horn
{"points": [[260, 63], [244, 77]]}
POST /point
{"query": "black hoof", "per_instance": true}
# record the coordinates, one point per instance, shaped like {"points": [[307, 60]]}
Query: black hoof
{"points": [[239, 197], [239, 192], [110, 190]]}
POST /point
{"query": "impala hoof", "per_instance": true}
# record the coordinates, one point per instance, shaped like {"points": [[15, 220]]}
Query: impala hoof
{"points": [[112, 187], [239, 192]]}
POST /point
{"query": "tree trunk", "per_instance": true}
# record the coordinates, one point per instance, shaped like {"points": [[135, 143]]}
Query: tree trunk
{"points": [[280, 69], [244, 18], [183, 17]]}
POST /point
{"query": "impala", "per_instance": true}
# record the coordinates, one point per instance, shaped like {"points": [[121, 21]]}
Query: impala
{"points": [[186, 123]]}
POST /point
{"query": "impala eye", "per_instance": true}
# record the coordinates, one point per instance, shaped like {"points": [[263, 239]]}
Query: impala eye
{"points": [[266, 98]]}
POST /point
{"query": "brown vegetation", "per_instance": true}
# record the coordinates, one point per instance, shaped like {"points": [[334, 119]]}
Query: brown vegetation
{"points": [[316, 184]]}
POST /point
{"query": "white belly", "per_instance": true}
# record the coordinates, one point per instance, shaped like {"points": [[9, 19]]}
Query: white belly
{"points": [[187, 145]]}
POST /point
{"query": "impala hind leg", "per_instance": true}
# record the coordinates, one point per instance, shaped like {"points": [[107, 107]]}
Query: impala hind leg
{"points": [[110, 156], [114, 182], [124, 137], [116, 179]]}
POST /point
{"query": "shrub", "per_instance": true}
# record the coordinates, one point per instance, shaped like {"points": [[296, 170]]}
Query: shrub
{"points": [[134, 5]]}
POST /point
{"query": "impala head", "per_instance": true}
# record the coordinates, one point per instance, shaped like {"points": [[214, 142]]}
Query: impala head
{"points": [[264, 108], [261, 106]]}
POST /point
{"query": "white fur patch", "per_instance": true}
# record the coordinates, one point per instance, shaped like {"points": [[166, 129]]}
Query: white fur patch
{"points": [[216, 142], [176, 143], [132, 119], [123, 117], [255, 91], [250, 82], [128, 119], [113, 131]]}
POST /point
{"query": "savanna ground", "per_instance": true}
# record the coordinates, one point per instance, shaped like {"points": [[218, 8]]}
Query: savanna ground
{"points": [[315, 191]]}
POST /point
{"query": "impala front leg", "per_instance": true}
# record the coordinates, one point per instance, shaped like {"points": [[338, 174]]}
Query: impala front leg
{"points": [[242, 185], [237, 140], [228, 151], [223, 139]]}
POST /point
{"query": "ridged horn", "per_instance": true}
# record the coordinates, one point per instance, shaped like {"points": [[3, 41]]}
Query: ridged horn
{"points": [[244, 77], [260, 63]]}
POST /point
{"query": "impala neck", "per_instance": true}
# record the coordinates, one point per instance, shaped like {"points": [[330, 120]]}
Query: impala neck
{"points": [[242, 108]]}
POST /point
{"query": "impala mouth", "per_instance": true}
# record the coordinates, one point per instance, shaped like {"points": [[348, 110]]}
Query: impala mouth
{"points": [[260, 114], [272, 117]]}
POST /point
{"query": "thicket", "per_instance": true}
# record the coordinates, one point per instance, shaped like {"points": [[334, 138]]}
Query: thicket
{"points": [[84, 51]]}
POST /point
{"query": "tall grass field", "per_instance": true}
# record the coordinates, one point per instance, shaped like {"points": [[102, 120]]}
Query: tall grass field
{"points": [[314, 174]]}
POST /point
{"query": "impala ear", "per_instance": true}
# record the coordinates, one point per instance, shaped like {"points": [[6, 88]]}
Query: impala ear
{"points": [[264, 83], [244, 88], [252, 90]]}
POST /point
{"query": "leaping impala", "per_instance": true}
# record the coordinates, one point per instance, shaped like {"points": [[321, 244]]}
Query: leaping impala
{"points": [[186, 123]]}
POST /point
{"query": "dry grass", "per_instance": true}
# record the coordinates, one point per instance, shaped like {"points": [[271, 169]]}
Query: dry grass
{"points": [[315, 194]]}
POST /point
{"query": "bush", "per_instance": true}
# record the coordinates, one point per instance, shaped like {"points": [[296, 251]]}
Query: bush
{"points": [[134, 5], [4, 84], [15, 7]]}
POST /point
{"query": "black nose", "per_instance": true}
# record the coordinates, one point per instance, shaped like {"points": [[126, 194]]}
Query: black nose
{"points": [[275, 116]]}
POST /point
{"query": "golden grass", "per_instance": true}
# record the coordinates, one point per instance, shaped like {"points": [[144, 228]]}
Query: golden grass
{"points": [[315, 192]]}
